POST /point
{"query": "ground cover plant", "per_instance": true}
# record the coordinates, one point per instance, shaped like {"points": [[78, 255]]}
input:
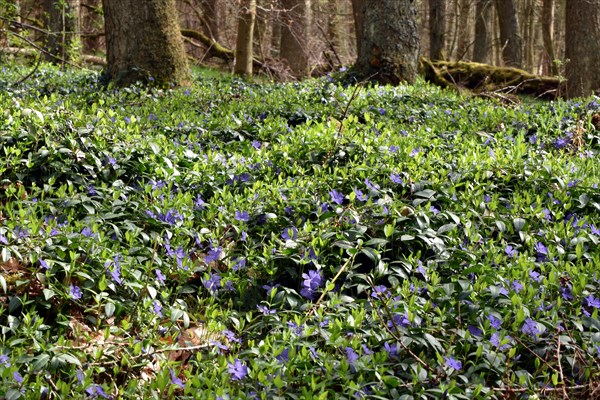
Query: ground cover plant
{"points": [[307, 240]]}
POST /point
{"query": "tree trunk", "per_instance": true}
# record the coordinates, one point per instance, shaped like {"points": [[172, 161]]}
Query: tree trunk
{"points": [[245, 40], [464, 30], [389, 40], [212, 10], [334, 28], [582, 49], [62, 23], [294, 36], [357, 6], [548, 36], [275, 29], [143, 42], [437, 29], [92, 26], [481, 46], [510, 38]]}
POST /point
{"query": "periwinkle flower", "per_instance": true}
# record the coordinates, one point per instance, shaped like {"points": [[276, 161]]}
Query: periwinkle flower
{"points": [[175, 380], [75, 292], [592, 301], [157, 308], [265, 310], [242, 216], [213, 283], [351, 355], [452, 363], [87, 232], [371, 186], [561, 143], [231, 336], [44, 264], [414, 152], [530, 328], [516, 285], [394, 149], [17, 376], [199, 204], [510, 251], [391, 349], [395, 178], [535, 276], [160, 277], [240, 263], [475, 331], [290, 233], [360, 196], [213, 254], [380, 291], [284, 356], [336, 196], [399, 320], [237, 370], [311, 282], [96, 390], [3, 239]]}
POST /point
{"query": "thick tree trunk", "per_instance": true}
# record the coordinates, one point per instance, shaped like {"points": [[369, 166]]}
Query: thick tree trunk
{"points": [[294, 38], [582, 49], [437, 29], [62, 23], [389, 40], [144, 42], [245, 40], [548, 36], [481, 46], [510, 37]]}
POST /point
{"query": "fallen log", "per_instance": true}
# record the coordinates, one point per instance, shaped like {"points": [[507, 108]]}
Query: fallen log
{"points": [[484, 79], [32, 53]]}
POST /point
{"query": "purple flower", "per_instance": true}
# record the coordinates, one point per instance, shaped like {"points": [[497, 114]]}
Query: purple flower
{"points": [[284, 356], [487, 198], [566, 293], [290, 233], [535, 276], [593, 230], [199, 204], [4, 360], [157, 308], [530, 328], [75, 292], [240, 263], [414, 152], [400, 320], [380, 291], [231, 336], [475, 331], [237, 370], [115, 274], [18, 377], [516, 285], [510, 251], [592, 301], [452, 363], [213, 283], [312, 281], [3, 239], [495, 340], [323, 207], [360, 195], [175, 380], [561, 143], [112, 161], [372, 186], [87, 232], [213, 254], [392, 349], [495, 322], [244, 236], [265, 310], [394, 149], [336, 196], [242, 216], [96, 390], [395, 178], [434, 210], [351, 355], [44, 264], [160, 277], [297, 329]]}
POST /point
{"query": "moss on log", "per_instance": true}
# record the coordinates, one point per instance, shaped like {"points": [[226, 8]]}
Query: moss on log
{"points": [[483, 78]]}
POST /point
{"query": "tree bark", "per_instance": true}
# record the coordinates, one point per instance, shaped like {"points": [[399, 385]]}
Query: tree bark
{"points": [[294, 36], [63, 26], [144, 42], [582, 47], [389, 39], [245, 38], [548, 35], [437, 29], [481, 46], [464, 30], [212, 10], [510, 37]]}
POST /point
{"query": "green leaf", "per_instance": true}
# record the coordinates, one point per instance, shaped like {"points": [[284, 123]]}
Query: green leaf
{"points": [[109, 309], [40, 361], [518, 223]]}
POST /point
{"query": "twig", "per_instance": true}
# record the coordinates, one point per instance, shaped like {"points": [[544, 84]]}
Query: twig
{"points": [[30, 74], [562, 377]]}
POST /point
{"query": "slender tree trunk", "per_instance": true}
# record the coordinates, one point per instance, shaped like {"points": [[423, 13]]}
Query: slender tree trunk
{"points": [[529, 34], [212, 11], [510, 38], [294, 36], [63, 25], [389, 40], [276, 29], [243, 50], [144, 43], [464, 30], [481, 46], [582, 49], [548, 35], [437, 29], [357, 6], [334, 28], [92, 25]]}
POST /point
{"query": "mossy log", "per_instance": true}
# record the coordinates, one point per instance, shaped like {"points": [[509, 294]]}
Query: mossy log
{"points": [[485, 79], [32, 53]]}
